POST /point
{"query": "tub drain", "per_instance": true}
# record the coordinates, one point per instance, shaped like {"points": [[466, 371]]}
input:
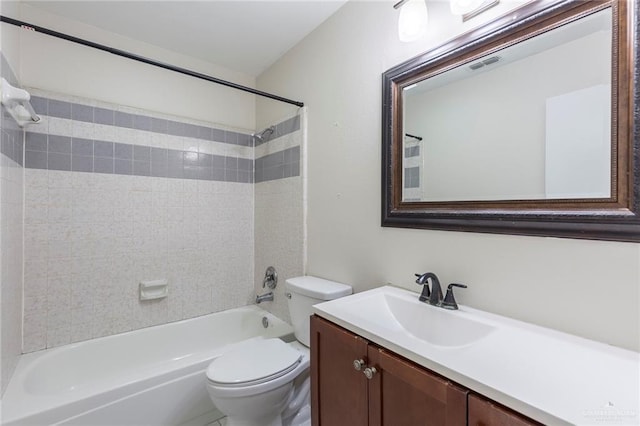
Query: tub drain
{"points": [[265, 322]]}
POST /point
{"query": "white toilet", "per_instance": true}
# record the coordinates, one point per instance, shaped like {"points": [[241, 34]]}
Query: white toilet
{"points": [[265, 382]]}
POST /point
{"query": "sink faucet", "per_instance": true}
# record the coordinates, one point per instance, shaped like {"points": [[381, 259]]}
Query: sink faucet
{"points": [[435, 295]]}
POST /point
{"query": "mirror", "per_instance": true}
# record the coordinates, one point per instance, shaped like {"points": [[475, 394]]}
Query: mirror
{"points": [[522, 126]]}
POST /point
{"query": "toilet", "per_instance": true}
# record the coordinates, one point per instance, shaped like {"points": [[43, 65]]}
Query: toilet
{"points": [[265, 382]]}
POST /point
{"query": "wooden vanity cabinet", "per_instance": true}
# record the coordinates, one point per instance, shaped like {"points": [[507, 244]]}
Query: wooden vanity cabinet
{"points": [[398, 393], [483, 412]]}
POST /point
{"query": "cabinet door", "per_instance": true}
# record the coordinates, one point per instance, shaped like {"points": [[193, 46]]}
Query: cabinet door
{"points": [[338, 391], [483, 412], [403, 393]]}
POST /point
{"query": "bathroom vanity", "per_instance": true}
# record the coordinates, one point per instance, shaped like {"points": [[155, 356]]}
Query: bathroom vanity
{"points": [[382, 357], [357, 382]]}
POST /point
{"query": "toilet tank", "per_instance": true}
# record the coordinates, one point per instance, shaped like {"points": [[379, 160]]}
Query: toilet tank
{"points": [[303, 293]]}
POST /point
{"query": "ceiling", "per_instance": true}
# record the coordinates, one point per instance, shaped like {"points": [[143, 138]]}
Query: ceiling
{"points": [[245, 36]]}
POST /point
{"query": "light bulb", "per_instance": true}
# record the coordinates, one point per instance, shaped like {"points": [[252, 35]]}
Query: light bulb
{"points": [[412, 23], [462, 7]]}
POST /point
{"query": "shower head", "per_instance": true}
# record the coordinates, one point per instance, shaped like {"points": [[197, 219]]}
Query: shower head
{"points": [[265, 133]]}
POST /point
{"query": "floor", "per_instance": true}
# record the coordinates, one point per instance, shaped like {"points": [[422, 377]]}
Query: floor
{"points": [[219, 422]]}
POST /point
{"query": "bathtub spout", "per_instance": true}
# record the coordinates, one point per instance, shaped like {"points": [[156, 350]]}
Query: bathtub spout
{"points": [[267, 297]]}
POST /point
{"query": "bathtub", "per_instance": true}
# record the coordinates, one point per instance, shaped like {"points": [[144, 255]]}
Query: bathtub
{"points": [[152, 376]]}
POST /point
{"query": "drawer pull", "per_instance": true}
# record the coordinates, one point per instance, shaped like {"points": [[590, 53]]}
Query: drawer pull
{"points": [[369, 372]]}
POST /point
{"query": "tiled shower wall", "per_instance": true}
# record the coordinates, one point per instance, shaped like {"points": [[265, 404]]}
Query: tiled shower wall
{"points": [[11, 227], [279, 203], [114, 196]]}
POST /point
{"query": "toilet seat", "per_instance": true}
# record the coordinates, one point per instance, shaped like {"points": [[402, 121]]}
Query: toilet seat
{"points": [[253, 362]]}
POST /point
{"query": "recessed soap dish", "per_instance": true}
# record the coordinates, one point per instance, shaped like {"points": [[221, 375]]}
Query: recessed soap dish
{"points": [[155, 289]]}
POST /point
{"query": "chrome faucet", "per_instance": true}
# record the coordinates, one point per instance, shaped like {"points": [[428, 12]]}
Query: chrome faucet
{"points": [[267, 297], [434, 296]]}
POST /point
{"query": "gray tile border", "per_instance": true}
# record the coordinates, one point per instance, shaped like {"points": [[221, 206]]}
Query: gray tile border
{"points": [[176, 158], [122, 119], [40, 105], [217, 135], [103, 165], [175, 171], [231, 137], [231, 163], [122, 166], [230, 175], [35, 159], [218, 161], [81, 163], [112, 117], [58, 109], [205, 173], [58, 161], [190, 159], [81, 146], [141, 153], [59, 144], [159, 155], [175, 128], [81, 112], [142, 122], [217, 174], [205, 133], [141, 168], [123, 151], [36, 141], [278, 165], [104, 116], [159, 169], [86, 155], [190, 172], [158, 125], [205, 160], [103, 149]]}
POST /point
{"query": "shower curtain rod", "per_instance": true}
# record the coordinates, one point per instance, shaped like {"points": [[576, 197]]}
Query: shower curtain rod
{"points": [[142, 59]]}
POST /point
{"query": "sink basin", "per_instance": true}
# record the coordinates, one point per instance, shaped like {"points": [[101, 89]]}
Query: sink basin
{"points": [[435, 325], [404, 315]]}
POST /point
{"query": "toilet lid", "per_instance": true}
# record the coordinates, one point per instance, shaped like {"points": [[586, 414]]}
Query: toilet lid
{"points": [[254, 361]]}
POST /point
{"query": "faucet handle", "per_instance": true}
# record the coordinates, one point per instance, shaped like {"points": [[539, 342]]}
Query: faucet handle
{"points": [[449, 301], [426, 293]]}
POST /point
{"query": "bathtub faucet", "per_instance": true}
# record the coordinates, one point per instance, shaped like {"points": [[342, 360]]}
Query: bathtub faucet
{"points": [[267, 297]]}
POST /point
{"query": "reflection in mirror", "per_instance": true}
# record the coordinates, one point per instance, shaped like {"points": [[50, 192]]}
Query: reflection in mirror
{"points": [[529, 122]]}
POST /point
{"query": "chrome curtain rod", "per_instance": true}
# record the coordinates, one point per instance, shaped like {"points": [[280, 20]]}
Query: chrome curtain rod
{"points": [[148, 61]]}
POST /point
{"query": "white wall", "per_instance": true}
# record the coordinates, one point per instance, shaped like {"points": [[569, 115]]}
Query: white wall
{"points": [[589, 288], [60, 66]]}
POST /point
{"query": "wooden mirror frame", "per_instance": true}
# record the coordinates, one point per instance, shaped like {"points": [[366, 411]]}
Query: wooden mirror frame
{"points": [[616, 218]]}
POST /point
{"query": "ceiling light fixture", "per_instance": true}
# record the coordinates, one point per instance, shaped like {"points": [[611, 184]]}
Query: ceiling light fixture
{"points": [[412, 23], [470, 8], [462, 7]]}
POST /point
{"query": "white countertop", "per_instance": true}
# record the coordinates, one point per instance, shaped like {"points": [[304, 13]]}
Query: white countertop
{"points": [[552, 377]]}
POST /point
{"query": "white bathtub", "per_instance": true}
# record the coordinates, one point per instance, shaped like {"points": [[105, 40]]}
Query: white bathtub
{"points": [[153, 376]]}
